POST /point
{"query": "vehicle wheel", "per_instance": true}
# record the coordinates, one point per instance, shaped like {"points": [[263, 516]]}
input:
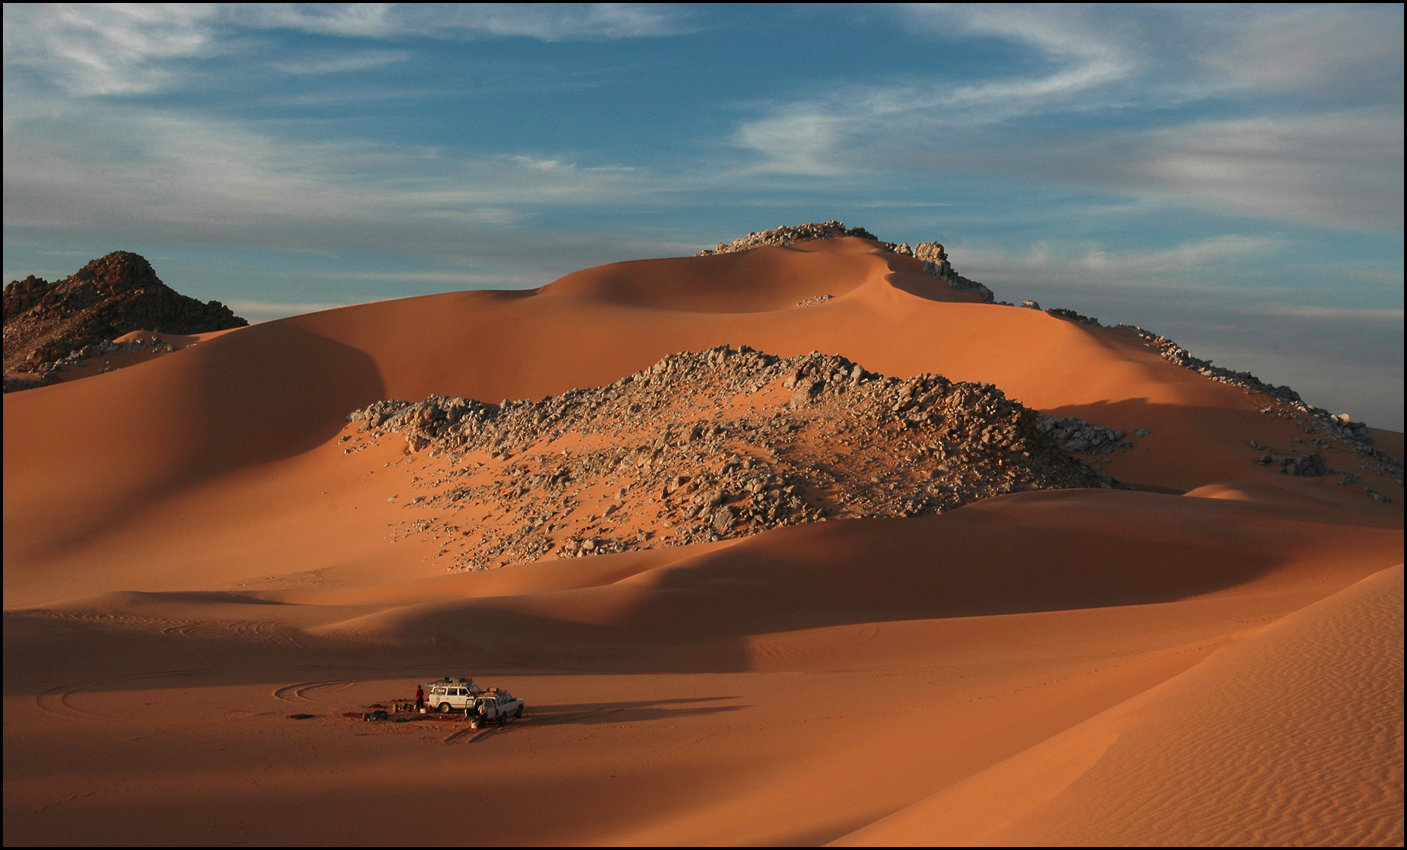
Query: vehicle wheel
{"points": [[502, 719], [519, 714], [444, 708]]}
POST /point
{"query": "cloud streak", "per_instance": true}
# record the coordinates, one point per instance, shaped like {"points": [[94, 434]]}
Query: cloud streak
{"points": [[549, 22], [135, 48], [1328, 161], [342, 63]]}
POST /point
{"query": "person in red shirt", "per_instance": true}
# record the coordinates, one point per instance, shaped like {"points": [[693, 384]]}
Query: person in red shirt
{"points": [[419, 697]]}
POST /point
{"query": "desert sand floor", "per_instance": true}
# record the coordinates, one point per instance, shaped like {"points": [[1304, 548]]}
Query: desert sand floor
{"points": [[190, 560]]}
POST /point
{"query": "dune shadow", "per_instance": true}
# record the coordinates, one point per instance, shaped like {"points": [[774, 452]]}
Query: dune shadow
{"points": [[635, 711], [266, 393]]}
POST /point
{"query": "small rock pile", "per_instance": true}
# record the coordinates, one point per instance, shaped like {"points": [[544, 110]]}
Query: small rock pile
{"points": [[714, 445], [1062, 313], [1300, 461], [1097, 443], [48, 373]]}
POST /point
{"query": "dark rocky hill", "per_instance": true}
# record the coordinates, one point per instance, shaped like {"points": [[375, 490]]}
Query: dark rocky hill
{"points": [[109, 297]]}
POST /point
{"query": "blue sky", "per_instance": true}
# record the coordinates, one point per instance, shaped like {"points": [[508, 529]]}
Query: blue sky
{"points": [[1230, 176]]}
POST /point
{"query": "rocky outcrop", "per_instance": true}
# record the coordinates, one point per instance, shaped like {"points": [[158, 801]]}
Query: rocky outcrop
{"points": [[1179, 356], [1324, 428], [109, 297], [936, 264], [931, 254], [785, 235], [1281, 402], [718, 444]]}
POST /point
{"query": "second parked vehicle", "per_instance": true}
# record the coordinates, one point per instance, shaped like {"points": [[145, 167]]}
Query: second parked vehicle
{"points": [[495, 705]]}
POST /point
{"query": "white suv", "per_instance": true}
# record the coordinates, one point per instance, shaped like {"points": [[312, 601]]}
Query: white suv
{"points": [[448, 695], [495, 705]]}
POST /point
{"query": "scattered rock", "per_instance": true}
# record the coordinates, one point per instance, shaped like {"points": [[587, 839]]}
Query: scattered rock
{"points": [[1062, 313], [821, 437], [723, 519], [1308, 466]]}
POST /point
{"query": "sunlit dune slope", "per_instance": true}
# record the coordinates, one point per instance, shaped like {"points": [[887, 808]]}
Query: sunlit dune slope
{"points": [[1291, 736]]}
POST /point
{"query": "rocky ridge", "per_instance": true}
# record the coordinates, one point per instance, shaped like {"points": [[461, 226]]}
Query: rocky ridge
{"points": [[715, 445], [931, 254], [1328, 432], [45, 323]]}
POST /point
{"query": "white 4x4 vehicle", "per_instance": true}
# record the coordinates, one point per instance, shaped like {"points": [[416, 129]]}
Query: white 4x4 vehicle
{"points": [[495, 705], [448, 695]]}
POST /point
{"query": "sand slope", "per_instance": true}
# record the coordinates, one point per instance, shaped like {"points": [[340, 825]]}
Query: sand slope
{"points": [[190, 558], [1292, 735]]}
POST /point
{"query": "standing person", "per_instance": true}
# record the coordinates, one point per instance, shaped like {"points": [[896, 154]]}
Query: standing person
{"points": [[419, 698]]}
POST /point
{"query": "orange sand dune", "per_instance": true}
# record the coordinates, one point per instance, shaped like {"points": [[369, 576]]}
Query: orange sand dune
{"points": [[190, 560], [1284, 737], [271, 393]]}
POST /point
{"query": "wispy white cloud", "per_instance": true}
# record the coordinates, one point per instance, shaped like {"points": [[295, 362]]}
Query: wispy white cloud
{"points": [[117, 49], [821, 136], [1377, 315], [341, 63], [1060, 264], [545, 21], [1306, 48], [135, 48], [91, 169], [1083, 52], [1336, 169], [1331, 157]]}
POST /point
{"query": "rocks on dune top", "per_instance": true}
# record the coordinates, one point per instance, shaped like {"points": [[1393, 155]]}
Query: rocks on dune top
{"points": [[109, 297], [785, 235], [931, 254]]}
